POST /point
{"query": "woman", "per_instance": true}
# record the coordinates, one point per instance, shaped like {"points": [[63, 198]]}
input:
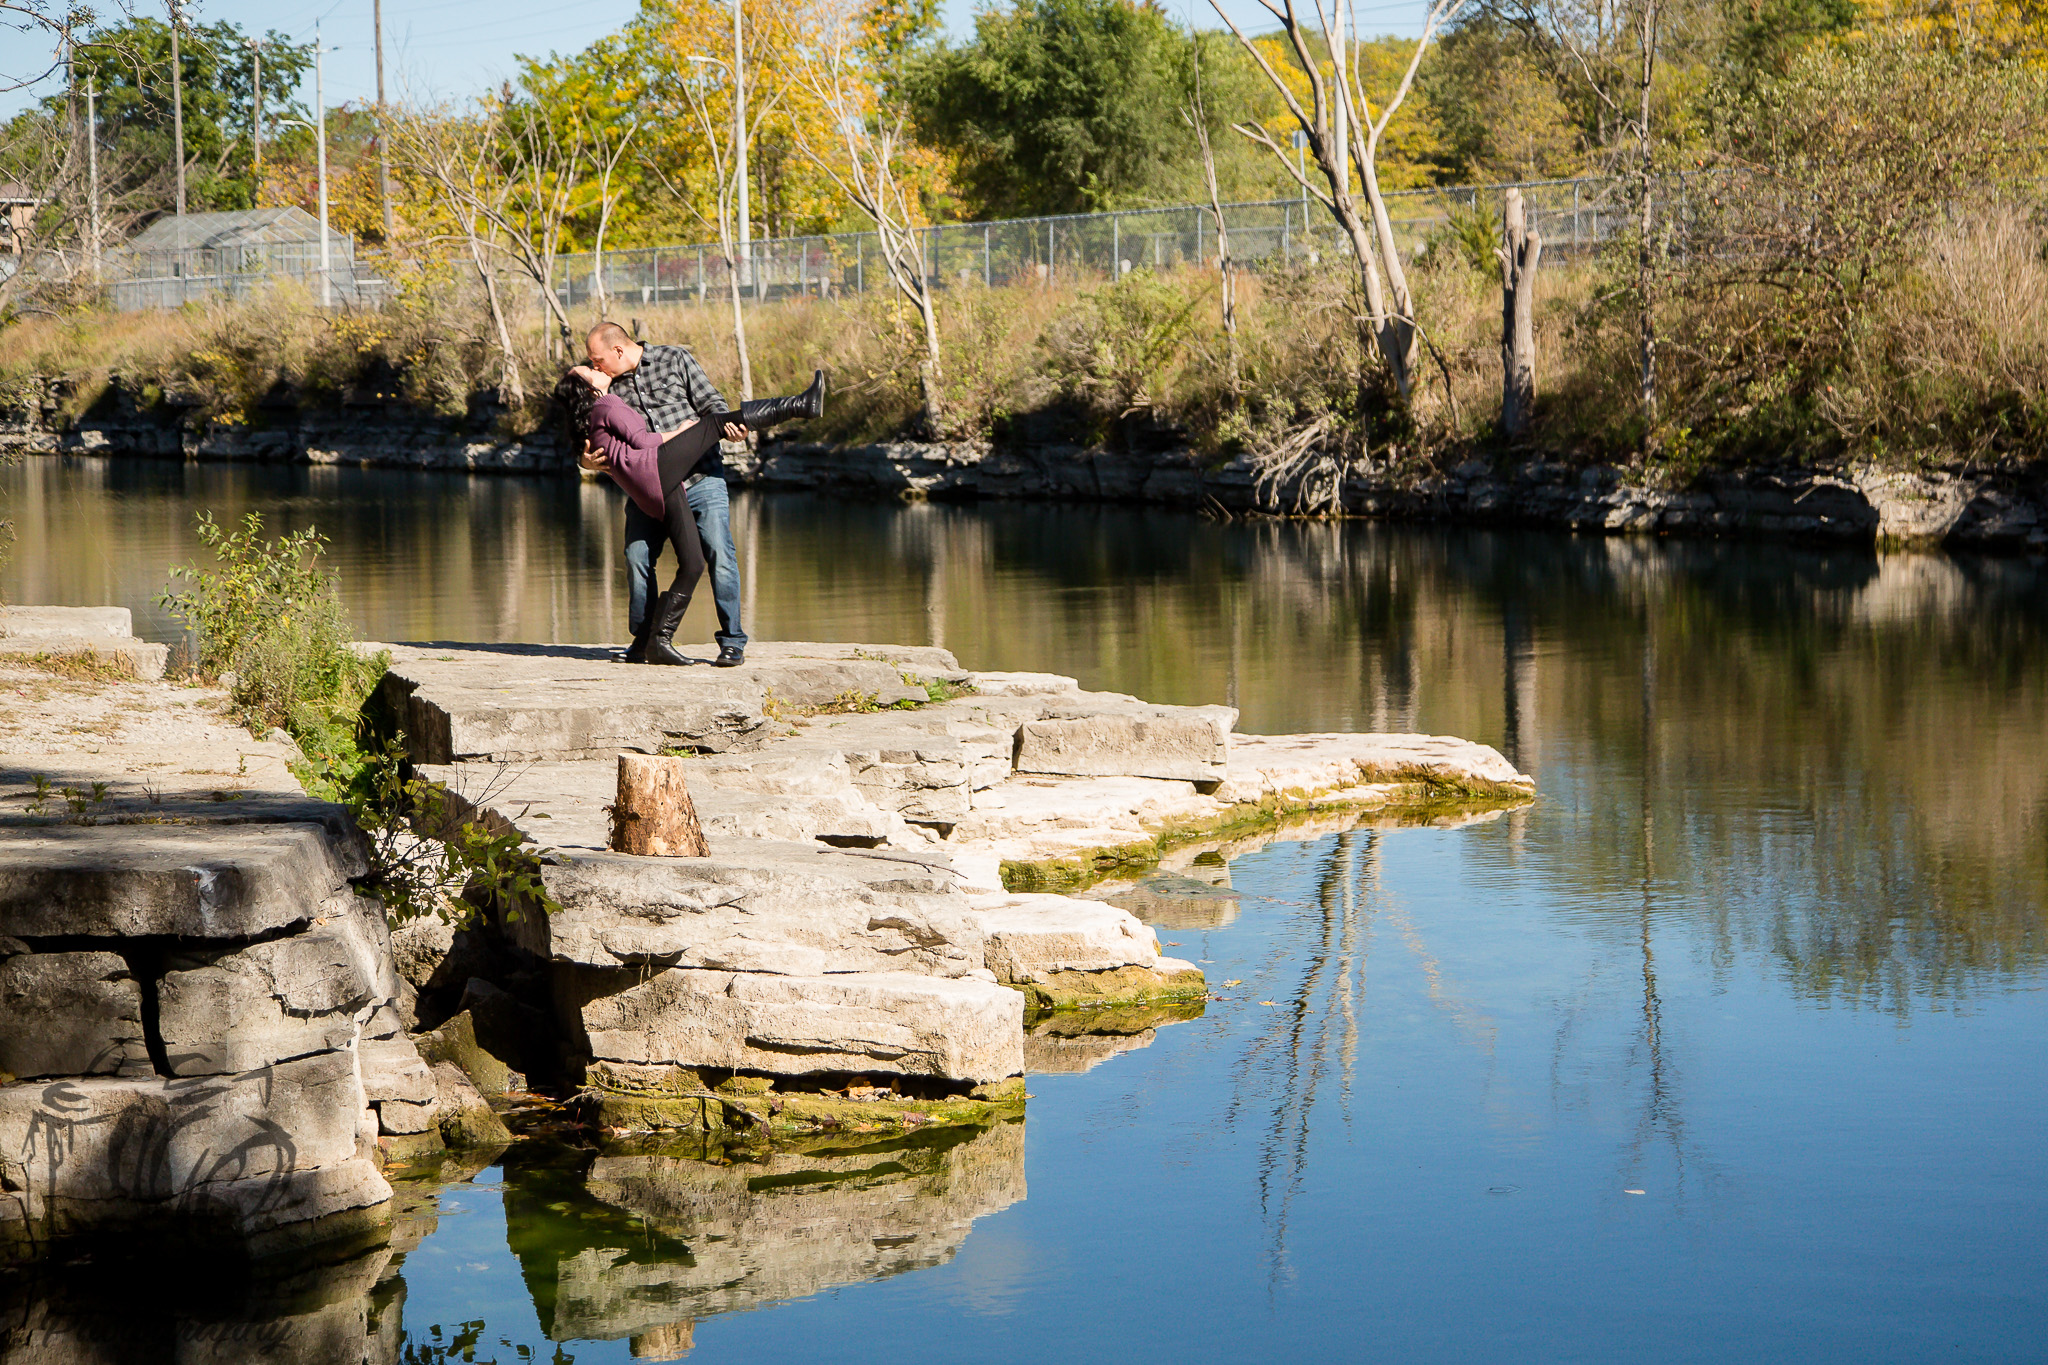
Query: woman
{"points": [[652, 472]]}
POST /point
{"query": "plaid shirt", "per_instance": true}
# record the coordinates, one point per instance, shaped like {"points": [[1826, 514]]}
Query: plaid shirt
{"points": [[668, 387]]}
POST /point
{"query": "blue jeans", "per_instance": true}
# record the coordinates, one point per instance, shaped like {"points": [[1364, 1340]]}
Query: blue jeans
{"points": [[644, 542]]}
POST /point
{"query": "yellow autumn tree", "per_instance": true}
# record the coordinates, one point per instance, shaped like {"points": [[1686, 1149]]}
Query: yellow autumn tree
{"points": [[1413, 149], [2012, 30]]}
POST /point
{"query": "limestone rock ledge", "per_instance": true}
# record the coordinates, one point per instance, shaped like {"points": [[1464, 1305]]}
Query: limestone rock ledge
{"points": [[201, 1023], [876, 816], [262, 1160], [103, 634], [1063, 953], [892, 1023]]}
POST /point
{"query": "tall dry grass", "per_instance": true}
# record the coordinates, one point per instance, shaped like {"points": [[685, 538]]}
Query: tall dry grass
{"points": [[1951, 362], [1968, 334]]}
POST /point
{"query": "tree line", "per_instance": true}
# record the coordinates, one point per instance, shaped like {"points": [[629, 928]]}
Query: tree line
{"points": [[1788, 164]]}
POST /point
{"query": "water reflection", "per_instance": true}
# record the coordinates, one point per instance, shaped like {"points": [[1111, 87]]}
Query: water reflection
{"points": [[1768, 946], [645, 1246], [115, 1314], [1841, 750]]}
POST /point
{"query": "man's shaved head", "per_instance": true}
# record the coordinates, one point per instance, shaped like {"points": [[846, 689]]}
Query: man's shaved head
{"points": [[610, 349]]}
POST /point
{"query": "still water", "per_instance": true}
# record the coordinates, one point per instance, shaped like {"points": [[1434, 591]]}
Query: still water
{"points": [[1734, 1045]]}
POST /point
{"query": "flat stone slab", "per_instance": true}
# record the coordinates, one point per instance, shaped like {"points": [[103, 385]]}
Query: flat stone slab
{"points": [[191, 881], [1090, 738], [224, 1013], [157, 784], [1023, 684], [1032, 937], [147, 752], [107, 623], [141, 659], [1264, 767], [562, 805], [891, 1022], [392, 1070], [517, 702], [70, 1014], [1108, 809], [761, 907]]}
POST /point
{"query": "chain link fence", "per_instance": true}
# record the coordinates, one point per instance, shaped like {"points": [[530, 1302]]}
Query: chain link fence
{"points": [[1573, 216], [233, 254]]}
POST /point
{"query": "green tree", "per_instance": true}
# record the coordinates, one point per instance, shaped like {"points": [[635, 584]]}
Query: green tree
{"points": [[1496, 92], [130, 64], [1059, 106], [1762, 37]]}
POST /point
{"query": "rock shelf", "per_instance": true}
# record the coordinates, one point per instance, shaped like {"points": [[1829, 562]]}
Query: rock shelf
{"points": [[105, 635], [889, 835], [206, 1029], [191, 990]]}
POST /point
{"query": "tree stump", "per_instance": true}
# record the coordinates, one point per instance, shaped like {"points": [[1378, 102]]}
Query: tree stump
{"points": [[653, 815]]}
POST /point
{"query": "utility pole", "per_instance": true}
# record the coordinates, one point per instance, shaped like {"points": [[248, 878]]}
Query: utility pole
{"points": [[71, 92], [383, 157], [92, 180], [256, 83], [1301, 171], [739, 130], [320, 116], [178, 108]]}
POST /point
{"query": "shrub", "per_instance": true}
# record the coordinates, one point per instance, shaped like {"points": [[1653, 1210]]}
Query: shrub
{"points": [[268, 617], [425, 857], [1115, 347]]}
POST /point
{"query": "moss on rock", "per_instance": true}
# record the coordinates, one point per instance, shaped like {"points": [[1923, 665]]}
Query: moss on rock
{"points": [[754, 1109], [1416, 796], [1118, 987]]}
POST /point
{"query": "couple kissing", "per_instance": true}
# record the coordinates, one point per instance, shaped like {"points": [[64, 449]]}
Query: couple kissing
{"points": [[649, 417]]}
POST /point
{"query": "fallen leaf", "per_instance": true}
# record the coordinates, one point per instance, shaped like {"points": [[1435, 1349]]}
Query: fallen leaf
{"points": [[1268, 1002], [1238, 982]]}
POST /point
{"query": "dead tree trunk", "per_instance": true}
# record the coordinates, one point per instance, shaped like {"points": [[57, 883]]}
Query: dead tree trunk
{"points": [[653, 815], [1646, 278], [1518, 258]]}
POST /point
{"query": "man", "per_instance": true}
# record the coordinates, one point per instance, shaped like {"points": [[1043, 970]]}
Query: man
{"points": [[667, 386]]}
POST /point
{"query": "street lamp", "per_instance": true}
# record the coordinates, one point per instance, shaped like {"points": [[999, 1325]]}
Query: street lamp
{"points": [[320, 139]]}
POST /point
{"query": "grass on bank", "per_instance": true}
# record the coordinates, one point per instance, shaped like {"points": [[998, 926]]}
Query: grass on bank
{"points": [[1944, 358]]}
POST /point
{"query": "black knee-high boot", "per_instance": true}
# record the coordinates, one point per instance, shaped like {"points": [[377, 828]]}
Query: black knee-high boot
{"points": [[655, 644], [762, 413], [664, 618]]}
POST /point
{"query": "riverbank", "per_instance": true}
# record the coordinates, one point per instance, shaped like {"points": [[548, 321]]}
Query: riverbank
{"points": [[870, 946], [2001, 510], [1996, 511]]}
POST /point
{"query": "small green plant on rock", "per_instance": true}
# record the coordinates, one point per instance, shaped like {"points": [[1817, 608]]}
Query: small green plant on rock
{"points": [[269, 621], [427, 857], [269, 617]]}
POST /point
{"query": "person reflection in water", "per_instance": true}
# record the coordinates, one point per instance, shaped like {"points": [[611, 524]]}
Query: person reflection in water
{"points": [[685, 417]]}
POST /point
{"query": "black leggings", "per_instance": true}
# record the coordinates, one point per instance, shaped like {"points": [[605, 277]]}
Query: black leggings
{"points": [[680, 455]]}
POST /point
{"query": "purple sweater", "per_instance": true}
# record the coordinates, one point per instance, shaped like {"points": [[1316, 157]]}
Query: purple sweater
{"points": [[633, 448]]}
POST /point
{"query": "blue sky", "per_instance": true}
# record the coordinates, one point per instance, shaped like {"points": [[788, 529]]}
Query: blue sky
{"points": [[456, 47]]}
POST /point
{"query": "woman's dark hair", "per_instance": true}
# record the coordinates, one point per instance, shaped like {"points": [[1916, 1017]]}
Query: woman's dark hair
{"points": [[575, 399]]}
